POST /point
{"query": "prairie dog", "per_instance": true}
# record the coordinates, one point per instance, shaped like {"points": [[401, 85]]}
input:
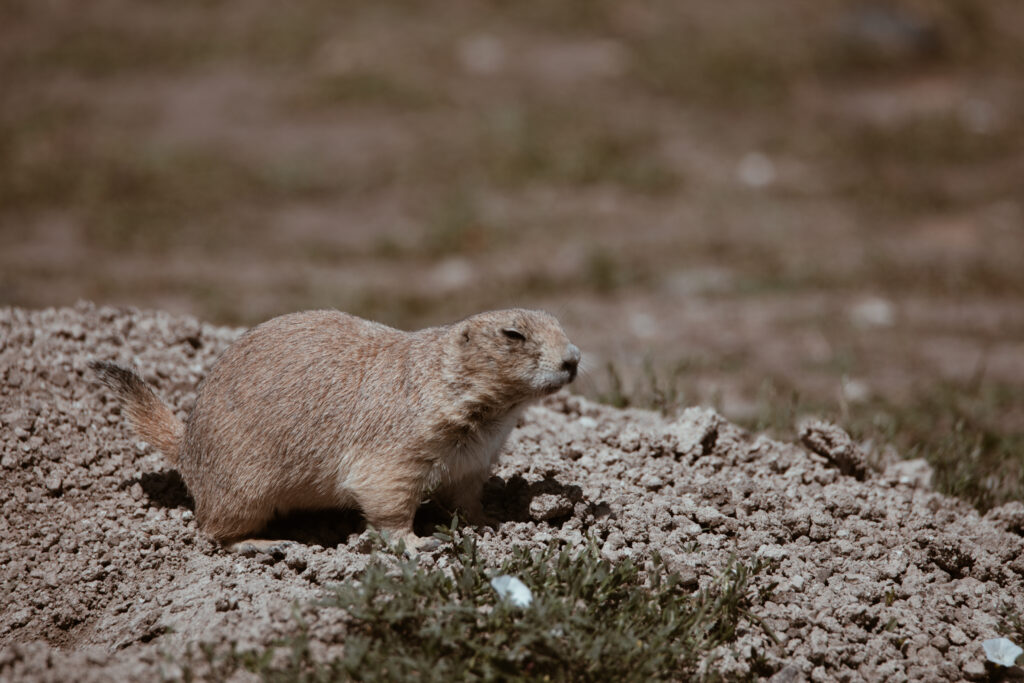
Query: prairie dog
{"points": [[322, 409]]}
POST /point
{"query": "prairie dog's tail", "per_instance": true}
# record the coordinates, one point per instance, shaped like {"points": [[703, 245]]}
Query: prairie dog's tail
{"points": [[151, 418]]}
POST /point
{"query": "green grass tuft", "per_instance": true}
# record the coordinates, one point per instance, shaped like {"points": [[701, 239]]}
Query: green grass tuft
{"points": [[957, 428], [589, 620], [664, 390], [1011, 625]]}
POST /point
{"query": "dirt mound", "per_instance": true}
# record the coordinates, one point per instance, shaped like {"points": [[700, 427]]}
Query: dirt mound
{"points": [[106, 577]]}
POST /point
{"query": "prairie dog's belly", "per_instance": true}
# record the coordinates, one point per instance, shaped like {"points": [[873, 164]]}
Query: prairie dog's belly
{"points": [[316, 488], [314, 498]]}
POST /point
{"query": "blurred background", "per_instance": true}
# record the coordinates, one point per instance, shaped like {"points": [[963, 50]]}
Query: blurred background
{"points": [[773, 208]]}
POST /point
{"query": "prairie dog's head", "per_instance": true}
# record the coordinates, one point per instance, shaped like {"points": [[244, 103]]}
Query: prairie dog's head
{"points": [[525, 352]]}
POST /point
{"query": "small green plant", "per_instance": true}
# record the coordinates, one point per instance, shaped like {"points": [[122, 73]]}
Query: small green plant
{"points": [[364, 87], [615, 395], [661, 390], [1011, 623], [589, 620]]}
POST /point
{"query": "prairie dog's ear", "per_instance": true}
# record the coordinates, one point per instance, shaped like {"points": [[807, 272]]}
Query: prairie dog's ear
{"points": [[465, 335], [513, 333]]}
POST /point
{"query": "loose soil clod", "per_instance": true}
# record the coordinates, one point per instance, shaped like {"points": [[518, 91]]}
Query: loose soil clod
{"points": [[832, 442]]}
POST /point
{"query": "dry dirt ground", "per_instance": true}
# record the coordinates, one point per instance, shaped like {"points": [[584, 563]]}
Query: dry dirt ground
{"points": [[105, 576]]}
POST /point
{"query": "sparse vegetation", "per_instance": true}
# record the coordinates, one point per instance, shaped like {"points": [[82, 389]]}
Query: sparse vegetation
{"points": [[1012, 625], [589, 620], [969, 432], [666, 391], [546, 144], [363, 88]]}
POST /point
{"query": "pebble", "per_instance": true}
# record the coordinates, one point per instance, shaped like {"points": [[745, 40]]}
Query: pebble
{"points": [[547, 506], [54, 484]]}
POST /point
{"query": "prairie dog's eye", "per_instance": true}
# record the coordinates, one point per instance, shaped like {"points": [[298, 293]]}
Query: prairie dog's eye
{"points": [[513, 333]]}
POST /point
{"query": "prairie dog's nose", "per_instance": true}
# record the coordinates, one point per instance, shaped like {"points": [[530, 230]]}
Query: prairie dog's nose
{"points": [[571, 360]]}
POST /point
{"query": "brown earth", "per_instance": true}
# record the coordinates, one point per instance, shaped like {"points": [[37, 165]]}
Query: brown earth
{"points": [[105, 577]]}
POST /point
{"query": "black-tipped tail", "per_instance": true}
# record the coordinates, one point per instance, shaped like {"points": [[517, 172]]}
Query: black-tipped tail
{"points": [[151, 418]]}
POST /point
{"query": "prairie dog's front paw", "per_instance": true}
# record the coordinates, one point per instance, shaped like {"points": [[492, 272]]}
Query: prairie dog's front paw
{"points": [[415, 544], [482, 519]]}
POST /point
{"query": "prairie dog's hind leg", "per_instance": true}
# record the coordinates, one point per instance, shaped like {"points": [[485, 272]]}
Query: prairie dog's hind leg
{"points": [[235, 524]]}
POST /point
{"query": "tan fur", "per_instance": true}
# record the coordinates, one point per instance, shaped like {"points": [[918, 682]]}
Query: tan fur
{"points": [[150, 417], [322, 409]]}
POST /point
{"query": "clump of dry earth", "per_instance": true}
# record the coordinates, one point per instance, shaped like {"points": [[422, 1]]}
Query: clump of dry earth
{"points": [[105, 576]]}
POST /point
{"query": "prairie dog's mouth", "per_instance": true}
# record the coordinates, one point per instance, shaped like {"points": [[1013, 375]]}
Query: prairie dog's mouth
{"points": [[552, 381]]}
